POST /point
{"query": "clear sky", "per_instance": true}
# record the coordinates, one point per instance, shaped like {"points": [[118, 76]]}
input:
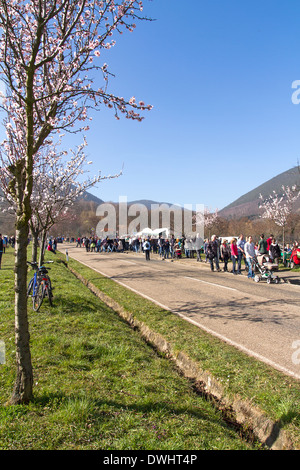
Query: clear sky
{"points": [[219, 75]]}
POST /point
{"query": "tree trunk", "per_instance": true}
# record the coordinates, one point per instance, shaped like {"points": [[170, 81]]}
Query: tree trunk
{"points": [[22, 392], [35, 245], [42, 249]]}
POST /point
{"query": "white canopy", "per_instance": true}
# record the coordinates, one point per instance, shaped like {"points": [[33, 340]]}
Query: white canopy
{"points": [[163, 231], [145, 231], [155, 233]]}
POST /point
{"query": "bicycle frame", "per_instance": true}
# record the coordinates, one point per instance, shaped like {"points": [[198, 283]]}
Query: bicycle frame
{"points": [[40, 285], [35, 283]]}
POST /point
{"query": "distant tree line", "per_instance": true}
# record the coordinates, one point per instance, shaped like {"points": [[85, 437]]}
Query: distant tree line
{"points": [[82, 220]]}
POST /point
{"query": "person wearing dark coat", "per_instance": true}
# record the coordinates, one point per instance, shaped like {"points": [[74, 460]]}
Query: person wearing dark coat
{"points": [[213, 253], [274, 251]]}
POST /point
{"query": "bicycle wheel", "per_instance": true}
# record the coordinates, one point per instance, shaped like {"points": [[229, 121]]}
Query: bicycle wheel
{"points": [[37, 299], [48, 293]]}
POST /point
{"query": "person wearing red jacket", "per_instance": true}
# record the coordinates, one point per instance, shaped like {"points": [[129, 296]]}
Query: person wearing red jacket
{"points": [[234, 254], [269, 241], [295, 255]]}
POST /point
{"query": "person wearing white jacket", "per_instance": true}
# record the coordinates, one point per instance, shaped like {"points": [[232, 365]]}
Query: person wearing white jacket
{"points": [[146, 248], [249, 250]]}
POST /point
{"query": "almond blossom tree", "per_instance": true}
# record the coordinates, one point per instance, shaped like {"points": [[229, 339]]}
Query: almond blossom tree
{"points": [[207, 218], [56, 187], [279, 207], [50, 52]]}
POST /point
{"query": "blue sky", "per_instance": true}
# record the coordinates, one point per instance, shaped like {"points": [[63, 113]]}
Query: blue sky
{"points": [[219, 75]]}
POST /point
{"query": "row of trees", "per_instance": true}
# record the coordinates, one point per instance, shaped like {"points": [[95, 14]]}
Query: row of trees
{"points": [[77, 216], [82, 220], [50, 50], [278, 216]]}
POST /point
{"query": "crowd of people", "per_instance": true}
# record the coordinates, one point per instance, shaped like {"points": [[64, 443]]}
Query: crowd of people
{"points": [[239, 251], [245, 250], [164, 247], [5, 242]]}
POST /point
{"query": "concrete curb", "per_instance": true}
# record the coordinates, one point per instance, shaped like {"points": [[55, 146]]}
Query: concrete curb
{"points": [[239, 411]]}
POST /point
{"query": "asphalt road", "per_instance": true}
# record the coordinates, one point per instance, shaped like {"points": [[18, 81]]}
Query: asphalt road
{"points": [[261, 319]]}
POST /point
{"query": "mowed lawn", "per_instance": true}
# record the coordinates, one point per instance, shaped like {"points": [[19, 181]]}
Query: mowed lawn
{"points": [[97, 384]]}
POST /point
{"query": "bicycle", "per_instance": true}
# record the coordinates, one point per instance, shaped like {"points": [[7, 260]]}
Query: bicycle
{"points": [[39, 286]]}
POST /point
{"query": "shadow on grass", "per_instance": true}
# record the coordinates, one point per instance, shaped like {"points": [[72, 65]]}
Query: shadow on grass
{"points": [[67, 304], [99, 408]]}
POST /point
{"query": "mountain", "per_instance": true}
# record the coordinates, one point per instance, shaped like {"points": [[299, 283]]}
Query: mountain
{"points": [[145, 202], [248, 204], [90, 197], [85, 210], [245, 206]]}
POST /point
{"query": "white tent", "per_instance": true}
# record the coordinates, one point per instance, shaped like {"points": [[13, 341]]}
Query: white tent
{"points": [[163, 231], [154, 233], [146, 231]]}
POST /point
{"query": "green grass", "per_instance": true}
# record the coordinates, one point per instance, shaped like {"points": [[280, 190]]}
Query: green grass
{"points": [[276, 394], [97, 384]]}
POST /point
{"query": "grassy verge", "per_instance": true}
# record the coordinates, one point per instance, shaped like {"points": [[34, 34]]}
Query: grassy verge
{"points": [[274, 393], [97, 384]]}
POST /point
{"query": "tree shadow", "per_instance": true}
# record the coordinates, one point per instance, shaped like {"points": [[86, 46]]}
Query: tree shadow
{"points": [[242, 309], [104, 409]]}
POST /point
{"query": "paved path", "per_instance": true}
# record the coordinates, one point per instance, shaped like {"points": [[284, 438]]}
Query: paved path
{"points": [[260, 319]]}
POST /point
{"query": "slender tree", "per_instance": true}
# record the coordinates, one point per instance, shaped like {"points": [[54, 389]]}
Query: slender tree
{"points": [[207, 219], [49, 52], [56, 188]]}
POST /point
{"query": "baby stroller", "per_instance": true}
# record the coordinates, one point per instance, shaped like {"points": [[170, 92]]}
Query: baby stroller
{"points": [[264, 271]]}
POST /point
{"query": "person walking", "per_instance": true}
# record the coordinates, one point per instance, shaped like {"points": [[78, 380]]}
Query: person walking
{"points": [[275, 252], [166, 249], [146, 248], [212, 253], [172, 243], [160, 246], [250, 254], [87, 244], [241, 253], [234, 254], [206, 242], [198, 247], [262, 245], [225, 254]]}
